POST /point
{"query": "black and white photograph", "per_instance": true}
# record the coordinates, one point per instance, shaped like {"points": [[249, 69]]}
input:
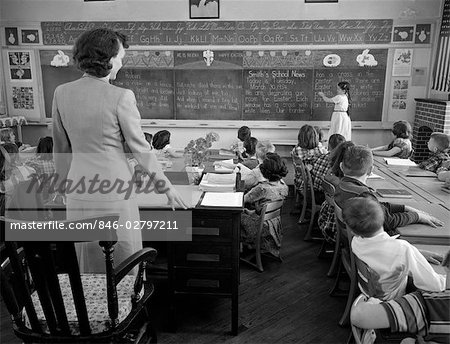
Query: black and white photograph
{"points": [[233, 172]]}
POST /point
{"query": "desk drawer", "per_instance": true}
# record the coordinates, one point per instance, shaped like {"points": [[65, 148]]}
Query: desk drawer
{"points": [[212, 227], [202, 255], [202, 282]]}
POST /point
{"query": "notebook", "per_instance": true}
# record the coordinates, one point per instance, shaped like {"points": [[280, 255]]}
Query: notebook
{"points": [[218, 182], [418, 172], [394, 193], [222, 199], [399, 162]]}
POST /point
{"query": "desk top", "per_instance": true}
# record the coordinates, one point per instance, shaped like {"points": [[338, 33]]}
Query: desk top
{"points": [[424, 188], [422, 234], [439, 249]]}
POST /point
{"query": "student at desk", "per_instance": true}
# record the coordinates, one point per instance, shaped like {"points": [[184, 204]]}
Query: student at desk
{"points": [[439, 146], [357, 165], [161, 145], [274, 188], [422, 314], [401, 146], [387, 262]]}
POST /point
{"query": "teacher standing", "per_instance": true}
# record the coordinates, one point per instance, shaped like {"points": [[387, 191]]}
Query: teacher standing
{"points": [[92, 122]]}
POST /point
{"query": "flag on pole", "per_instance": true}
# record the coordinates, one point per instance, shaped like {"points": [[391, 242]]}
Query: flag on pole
{"points": [[441, 80]]}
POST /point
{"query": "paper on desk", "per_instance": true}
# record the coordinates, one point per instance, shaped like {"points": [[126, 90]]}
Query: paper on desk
{"points": [[222, 199], [399, 162]]}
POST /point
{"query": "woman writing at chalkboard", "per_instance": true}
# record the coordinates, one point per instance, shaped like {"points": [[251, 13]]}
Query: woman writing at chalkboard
{"points": [[92, 123], [340, 120]]}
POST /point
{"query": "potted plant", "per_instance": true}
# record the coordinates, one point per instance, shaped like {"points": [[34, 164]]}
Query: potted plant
{"points": [[196, 153]]}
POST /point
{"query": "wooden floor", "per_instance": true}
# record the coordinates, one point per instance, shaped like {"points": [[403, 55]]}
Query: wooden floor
{"points": [[287, 303]]}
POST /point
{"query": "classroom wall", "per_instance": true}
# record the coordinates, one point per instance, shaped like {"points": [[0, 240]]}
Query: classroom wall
{"points": [[22, 12]]}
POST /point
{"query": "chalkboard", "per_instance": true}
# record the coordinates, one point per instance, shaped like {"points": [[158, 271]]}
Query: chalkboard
{"points": [[242, 85], [153, 89], [267, 32]]}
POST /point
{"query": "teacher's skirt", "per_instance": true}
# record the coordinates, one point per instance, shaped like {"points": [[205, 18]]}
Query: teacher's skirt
{"points": [[341, 124], [90, 255]]}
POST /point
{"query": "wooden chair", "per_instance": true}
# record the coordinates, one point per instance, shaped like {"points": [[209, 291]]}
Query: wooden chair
{"points": [[309, 197], [299, 173], [348, 263], [270, 210], [329, 191], [50, 301]]}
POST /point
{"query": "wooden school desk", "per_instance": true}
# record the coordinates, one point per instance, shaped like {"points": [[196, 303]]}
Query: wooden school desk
{"points": [[429, 188], [209, 264]]}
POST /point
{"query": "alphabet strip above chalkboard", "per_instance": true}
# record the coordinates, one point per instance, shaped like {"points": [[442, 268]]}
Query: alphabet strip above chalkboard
{"points": [[270, 32]]}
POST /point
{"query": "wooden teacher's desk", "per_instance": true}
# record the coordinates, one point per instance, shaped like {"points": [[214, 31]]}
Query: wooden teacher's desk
{"points": [[209, 264]]}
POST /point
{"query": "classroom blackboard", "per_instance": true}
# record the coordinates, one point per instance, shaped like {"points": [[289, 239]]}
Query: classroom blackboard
{"points": [[259, 85], [267, 32]]}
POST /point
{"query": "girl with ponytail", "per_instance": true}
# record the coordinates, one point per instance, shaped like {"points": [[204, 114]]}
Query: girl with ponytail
{"points": [[340, 119]]}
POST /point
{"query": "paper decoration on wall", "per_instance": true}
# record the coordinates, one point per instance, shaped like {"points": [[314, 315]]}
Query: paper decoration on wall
{"points": [[208, 57], [366, 59], [402, 62], [12, 121], [19, 65], [60, 60], [419, 76], [400, 94], [204, 9], [332, 60], [423, 34], [11, 36], [30, 36], [403, 34], [23, 98]]}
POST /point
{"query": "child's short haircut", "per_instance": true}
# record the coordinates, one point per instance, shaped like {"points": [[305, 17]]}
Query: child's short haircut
{"points": [[307, 137], [363, 216], [441, 140], [357, 161], [264, 147], [334, 140], [402, 129], [244, 133], [250, 146]]}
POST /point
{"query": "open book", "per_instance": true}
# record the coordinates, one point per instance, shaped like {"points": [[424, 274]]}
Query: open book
{"points": [[394, 193]]}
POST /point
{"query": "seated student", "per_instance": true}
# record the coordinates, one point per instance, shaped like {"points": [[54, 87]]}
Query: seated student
{"points": [[7, 135], [250, 150], [307, 150], [43, 162], [401, 146], [319, 132], [424, 314], [322, 164], [438, 145], [14, 171], [244, 133], [390, 261], [357, 165], [272, 189], [325, 220], [161, 144], [255, 176]]}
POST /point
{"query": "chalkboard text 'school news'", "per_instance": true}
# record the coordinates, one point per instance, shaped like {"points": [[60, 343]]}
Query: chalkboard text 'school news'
{"points": [[241, 85]]}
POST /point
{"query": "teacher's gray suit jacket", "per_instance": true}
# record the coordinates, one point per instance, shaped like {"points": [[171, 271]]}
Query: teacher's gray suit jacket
{"points": [[92, 120]]}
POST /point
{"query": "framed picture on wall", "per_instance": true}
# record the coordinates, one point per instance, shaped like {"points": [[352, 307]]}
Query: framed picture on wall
{"points": [[204, 9], [403, 34], [30, 36], [11, 36]]}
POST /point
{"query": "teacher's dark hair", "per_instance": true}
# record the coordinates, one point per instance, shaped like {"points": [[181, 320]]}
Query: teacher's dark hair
{"points": [[94, 49]]}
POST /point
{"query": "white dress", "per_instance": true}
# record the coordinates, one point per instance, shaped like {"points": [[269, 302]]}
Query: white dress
{"points": [[340, 120]]}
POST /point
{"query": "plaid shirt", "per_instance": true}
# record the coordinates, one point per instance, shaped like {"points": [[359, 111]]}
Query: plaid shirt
{"points": [[308, 156], [41, 166], [435, 161], [319, 170]]}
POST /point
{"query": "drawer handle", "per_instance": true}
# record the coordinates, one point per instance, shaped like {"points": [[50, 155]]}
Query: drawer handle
{"points": [[203, 283], [212, 231], [202, 257]]}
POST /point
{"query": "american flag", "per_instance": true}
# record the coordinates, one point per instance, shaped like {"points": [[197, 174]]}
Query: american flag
{"points": [[441, 81]]}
